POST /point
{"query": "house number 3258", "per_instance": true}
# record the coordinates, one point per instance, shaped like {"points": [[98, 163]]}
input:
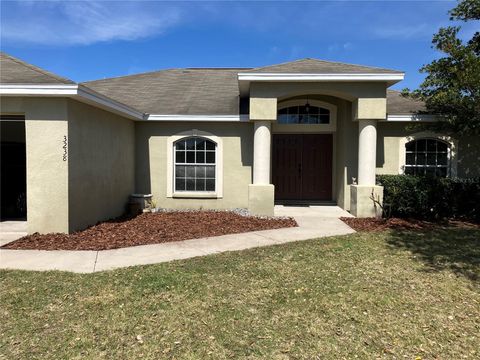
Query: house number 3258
{"points": [[65, 147]]}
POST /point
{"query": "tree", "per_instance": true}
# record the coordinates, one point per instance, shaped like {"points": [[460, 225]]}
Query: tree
{"points": [[451, 88]]}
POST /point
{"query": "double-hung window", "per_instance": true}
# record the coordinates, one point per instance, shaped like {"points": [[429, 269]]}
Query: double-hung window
{"points": [[195, 165]]}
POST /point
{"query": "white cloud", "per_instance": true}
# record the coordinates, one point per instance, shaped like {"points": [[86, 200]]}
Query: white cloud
{"points": [[84, 23], [403, 31]]}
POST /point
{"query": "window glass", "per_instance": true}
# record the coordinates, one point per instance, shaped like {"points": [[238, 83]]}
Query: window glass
{"points": [[303, 115], [426, 157], [442, 159], [442, 147], [421, 145], [195, 164]]}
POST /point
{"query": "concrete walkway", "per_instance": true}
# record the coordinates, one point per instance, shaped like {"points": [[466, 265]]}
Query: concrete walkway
{"points": [[12, 230], [314, 222]]}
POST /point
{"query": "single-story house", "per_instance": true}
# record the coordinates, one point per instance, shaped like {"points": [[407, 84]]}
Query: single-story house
{"points": [[306, 131]]}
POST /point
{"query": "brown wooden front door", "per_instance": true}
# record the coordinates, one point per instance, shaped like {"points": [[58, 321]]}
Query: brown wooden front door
{"points": [[302, 166]]}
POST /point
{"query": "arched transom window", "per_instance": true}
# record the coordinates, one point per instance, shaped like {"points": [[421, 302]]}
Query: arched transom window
{"points": [[303, 114], [427, 157], [195, 164]]}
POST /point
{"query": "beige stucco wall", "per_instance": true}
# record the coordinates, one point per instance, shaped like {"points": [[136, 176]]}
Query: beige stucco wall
{"points": [[370, 108], [151, 162], [47, 173], [346, 90], [263, 108], [101, 164], [347, 154], [388, 146]]}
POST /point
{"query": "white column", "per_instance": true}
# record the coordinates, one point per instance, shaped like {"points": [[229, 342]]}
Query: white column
{"points": [[367, 151], [261, 152]]}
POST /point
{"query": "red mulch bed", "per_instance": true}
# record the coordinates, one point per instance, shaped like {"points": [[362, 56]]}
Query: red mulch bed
{"points": [[373, 224], [151, 228]]}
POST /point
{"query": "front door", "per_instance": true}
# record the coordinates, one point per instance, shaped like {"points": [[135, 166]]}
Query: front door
{"points": [[302, 166]]}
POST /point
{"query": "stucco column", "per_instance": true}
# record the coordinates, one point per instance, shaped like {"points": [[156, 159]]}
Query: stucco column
{"points": [[261, 191], [365, 197], [367, 151], [263, 110], [261, 152]]}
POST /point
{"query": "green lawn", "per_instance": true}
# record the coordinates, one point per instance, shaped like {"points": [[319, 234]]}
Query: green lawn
{"points": [[384, 295]]}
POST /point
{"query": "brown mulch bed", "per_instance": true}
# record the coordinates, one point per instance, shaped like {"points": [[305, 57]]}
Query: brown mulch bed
{"points": [[151, 228], [373, 224]]}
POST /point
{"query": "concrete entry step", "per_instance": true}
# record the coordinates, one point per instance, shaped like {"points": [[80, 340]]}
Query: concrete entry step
{"points": [[318, 211], [305, 203]]}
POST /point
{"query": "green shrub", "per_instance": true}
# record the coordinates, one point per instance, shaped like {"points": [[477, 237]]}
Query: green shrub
{"points": [[430, 198]]}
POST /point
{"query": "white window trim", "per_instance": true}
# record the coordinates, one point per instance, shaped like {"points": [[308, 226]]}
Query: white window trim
{"points": [[171, 140], [452, 150], [293, 128]]}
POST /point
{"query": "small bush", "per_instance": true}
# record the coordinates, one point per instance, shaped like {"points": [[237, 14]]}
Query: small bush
{"points": [[430, 198]]}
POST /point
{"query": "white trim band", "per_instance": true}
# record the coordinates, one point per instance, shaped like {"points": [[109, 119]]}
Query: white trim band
{"points": [[215, 118], [320, 77], [411, 117], [38, 90], [75, 91], [99, 99]]}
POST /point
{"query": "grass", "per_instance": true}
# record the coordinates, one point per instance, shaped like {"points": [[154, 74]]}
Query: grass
{"points": [[377, 295]]}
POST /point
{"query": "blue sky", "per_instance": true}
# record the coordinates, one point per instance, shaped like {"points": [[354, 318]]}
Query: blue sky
{"points": [[98, 39]]}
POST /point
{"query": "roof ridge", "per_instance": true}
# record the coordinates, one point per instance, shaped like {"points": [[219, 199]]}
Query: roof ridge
{"points": [[217, 68], [282, 63], [161, 70], [36, 68], [131, 75]]}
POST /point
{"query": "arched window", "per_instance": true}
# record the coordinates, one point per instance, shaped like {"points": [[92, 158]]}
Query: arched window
{"points": [[195, 164], [303, 114], [427, 157]]}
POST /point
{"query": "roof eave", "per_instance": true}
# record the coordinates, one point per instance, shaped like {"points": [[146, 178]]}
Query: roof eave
{"points": [[74, 91], [411, 118], [321, 76], [244, 79]]}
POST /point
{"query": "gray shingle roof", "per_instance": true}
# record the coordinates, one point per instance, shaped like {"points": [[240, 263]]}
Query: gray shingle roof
{"points": [[314, 66], [176, 91], [199, 92], [399, 105], [191, 91], [15, 71]]}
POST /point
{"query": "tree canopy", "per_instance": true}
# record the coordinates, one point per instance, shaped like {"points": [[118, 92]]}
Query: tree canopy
{"points": [[451, 88]]}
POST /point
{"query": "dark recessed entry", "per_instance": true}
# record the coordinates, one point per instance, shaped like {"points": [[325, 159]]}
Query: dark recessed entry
{"points": [[13, 168]]}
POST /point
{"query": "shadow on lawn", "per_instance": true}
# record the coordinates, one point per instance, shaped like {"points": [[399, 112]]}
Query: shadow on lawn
{"points": [[456, 249]]}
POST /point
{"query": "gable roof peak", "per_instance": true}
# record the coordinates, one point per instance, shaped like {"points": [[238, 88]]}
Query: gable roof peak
{"points": [[318, 66], [16, 71]]}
